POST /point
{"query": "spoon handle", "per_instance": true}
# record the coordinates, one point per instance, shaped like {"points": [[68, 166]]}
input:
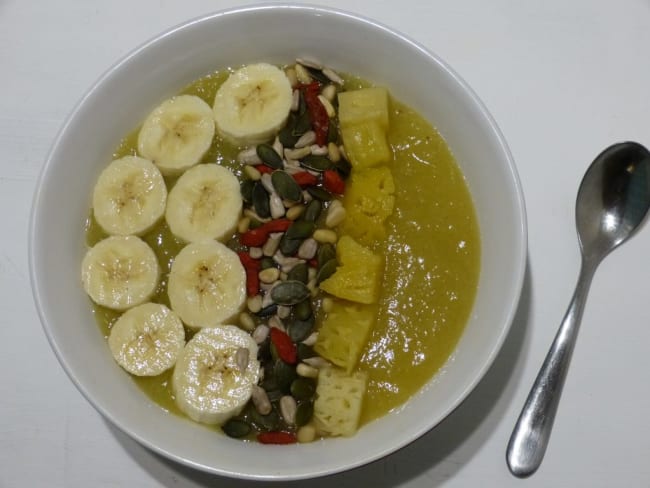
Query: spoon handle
{"points": [[531, 433]]}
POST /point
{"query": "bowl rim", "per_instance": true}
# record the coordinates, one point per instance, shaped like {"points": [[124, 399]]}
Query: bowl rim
{"points": [[521, 230]]}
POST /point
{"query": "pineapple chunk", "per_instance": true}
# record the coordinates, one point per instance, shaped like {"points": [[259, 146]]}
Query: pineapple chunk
{"points": [[366, 104], [339, 398], [358, 278], [344, 333], [365, 144], [369, 201]]}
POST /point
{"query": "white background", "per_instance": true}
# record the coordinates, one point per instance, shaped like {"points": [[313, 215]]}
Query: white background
{"points": [[563, 80]]}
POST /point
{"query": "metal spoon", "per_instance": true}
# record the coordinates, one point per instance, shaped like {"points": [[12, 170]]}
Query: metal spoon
{"points": [[613, 199]]}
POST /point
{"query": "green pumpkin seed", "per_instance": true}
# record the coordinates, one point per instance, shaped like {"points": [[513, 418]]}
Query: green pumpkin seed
{"points": [[268, 262], [333, 130], [304, 413], [274, 395], [317, 163], [302, 125], [254, 224], [289, 247], [319, 194], [246, 189], [286, 186], [289, 292], [299, 330], [305, 351], [344, 167], [267, 154], [303, 388], [261, 201], [267, 422], [268, 310], [312, 211], [284, 374], [302, 310], [274, 352], [286, 136], [300, 229], [236, 428], [326, 270], [317, 75], [300, 272], [326, 252]]}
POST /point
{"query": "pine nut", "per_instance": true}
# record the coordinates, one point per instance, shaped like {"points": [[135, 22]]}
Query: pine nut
{"points": [[291, 74], [295, 100], [247, 322], [260, 334], [307, 249], [288, 409], [283, 311], [261, 400], [255, 252], [325, 236], [306, 371], [306, 433], [251, 173], [344, 155], [329, 92], [243, 225], [269, 275], [272, 243], [335, 214], [252, 215], [327, 304], [295, 212], [311, 339], [333, 152], [297, 154], [302, 74], [254, 304], [311, 273]]}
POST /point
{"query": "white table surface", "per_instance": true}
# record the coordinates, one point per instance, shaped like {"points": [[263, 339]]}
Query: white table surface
{"points": [[563, 80]]}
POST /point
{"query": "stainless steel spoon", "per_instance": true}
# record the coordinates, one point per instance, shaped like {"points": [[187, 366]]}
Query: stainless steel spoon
{"points": [[612, 201]]}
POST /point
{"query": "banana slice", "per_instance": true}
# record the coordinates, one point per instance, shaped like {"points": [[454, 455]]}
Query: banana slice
{"points": [[147, 340], [120, 272], [207, 284], [129, 196], [205, 203], [211, 383], [253, 104], [177, 134]]}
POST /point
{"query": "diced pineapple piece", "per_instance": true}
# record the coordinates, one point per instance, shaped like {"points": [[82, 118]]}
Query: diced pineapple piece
{"points": [[366, 104], [366, 145], [358, 277], [369, 201], [339, 398], [344, 333]]}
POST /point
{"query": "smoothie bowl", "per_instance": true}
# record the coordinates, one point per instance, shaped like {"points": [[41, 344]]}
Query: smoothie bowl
{"points": [[280, 247]]}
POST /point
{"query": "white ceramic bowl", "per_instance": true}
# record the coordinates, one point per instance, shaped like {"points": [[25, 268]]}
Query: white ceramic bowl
{"points": [[120, 100]]}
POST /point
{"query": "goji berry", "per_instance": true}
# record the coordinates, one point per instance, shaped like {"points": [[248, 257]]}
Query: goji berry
{"points": [[286, 348], [263, 168], [252, 268], [276, 437], [257, 237], [320, 121], [333, 182], [304, 179]]}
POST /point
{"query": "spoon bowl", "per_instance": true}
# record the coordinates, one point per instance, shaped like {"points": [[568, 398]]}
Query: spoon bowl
{"points": [[613, 200]]}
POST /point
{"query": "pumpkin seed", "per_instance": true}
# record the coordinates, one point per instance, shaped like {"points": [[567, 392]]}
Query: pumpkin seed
{"points": [[305, 351], [289, 247], [268, 310], [267, 154], [299, 330], [344, 167], [290, 292], [317, 75], [246, 189], [303, 388], [236, 428], [313, 210], [286, 186], [268, 262], [254, 224], [300, 229], [303, 123], [299, 273], [326, 270], [325, 253], [286, 135], [261, 201], [333, 132], [316, 163], [302, 311], [319, 194], [268, 422], [274, 395], [284, 374], [304, 413]]}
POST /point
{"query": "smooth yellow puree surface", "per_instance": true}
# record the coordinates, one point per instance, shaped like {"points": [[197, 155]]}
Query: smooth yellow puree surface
{"points": [[432, 256]]}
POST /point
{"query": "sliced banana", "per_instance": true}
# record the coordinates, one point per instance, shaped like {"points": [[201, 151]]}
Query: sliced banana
{"points": [[177, 134], [253, 104], [205, 203], [209, 383], [120, 272], [147, 340], [129, 196], [207, 284]]}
